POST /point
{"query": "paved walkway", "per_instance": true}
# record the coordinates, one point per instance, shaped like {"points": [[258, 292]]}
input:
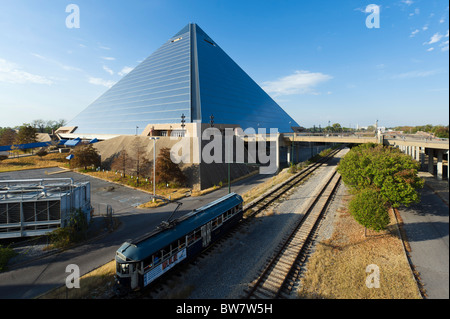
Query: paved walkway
{"points": [[427, 228]]}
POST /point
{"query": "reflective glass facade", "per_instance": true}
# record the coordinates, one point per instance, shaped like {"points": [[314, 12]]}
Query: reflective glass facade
{"points": [[157, 91], [228, 93], [191, 75]]}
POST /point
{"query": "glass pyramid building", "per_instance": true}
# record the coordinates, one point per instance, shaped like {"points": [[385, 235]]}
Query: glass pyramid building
{"points": [[191, 75]]}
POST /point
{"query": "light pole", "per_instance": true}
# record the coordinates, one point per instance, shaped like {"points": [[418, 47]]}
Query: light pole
{"points": [[182, 124], [154, 165]]}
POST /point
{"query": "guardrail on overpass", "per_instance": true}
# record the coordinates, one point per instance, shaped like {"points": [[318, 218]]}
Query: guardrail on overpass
{"points": [[416, 146], [330, 138]]}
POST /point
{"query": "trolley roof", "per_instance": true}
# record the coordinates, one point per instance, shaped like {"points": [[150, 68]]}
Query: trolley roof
{"points": [[162, 237]]}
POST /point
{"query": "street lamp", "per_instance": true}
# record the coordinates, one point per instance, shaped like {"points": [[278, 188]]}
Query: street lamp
{"points": [[154, 165], [182, 124]]}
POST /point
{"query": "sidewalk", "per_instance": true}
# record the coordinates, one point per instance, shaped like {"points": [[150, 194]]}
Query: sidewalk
{"points": [[440, 188], [427, 229]]}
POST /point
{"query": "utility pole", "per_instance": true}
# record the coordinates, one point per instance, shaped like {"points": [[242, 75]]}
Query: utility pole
{"points": [[154, 165]]}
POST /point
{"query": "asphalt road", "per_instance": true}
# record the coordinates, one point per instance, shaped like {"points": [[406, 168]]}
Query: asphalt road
{"points": [[37, 277], [426, 226]]}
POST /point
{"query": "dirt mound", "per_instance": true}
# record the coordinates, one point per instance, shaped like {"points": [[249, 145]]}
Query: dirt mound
{"points": [[111, 148], [199, 176]]}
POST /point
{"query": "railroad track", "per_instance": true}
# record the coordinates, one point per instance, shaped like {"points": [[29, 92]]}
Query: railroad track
{"points": [[275, 275], [250, 210], [260, 203]]}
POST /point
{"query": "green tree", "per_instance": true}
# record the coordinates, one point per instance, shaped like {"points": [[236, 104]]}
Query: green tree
{"points": [[369, 209], [74, 230], [166, 170], [43, 126], [27, 134], [7, 136], [84, 156], [337, 127], [385, 169], [6, 253], [122, 163], [441, 131]]}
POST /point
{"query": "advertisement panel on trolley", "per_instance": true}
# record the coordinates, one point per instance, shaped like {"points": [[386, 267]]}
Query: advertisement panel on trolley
{"points": [[163, 267]]}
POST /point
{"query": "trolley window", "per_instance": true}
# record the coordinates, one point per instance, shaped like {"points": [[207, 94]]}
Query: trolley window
{"points": [[123, 268], [193, 236], [216, 222]]}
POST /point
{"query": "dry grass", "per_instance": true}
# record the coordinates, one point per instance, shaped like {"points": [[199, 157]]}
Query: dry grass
{"points": [[337, 269], [96, 284], [172, 194], [33, 162], [257, 191]]}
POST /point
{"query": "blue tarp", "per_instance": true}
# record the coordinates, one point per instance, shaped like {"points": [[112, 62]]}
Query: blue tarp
{"points": [[94, 140], [26, 146], [73, 143], [70, 157]]}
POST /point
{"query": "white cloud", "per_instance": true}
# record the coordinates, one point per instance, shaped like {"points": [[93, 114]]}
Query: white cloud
{"points": [[11, 73], [444, 46], [430, 49], [108, 58], [416, 12], [301, 82], [414, 33], [415, 74], [59, 64], [125, 70], [425, 27], [435, 38], [408, 2], [111, 72], [98, 81]]}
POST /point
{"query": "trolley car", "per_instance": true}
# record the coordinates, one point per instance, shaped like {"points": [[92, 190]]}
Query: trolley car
{"points": [[141, 261]]}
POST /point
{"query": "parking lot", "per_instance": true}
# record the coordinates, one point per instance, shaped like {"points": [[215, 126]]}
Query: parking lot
{"points": [[38, 276]]}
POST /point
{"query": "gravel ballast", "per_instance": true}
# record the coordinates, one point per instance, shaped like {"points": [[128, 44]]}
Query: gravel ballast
{"points": [[233, 263]]}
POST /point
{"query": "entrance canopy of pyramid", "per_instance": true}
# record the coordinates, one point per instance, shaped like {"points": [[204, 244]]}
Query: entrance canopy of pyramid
{"points": [[188, 75]]}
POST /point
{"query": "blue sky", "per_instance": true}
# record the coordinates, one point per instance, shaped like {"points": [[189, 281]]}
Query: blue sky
{"points": [[317, 59]]}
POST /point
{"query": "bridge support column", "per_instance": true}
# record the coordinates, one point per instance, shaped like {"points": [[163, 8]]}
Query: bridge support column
{"points": [[440, 154], [417, 155], [289, 157], [422, 156], [430, 161]]}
